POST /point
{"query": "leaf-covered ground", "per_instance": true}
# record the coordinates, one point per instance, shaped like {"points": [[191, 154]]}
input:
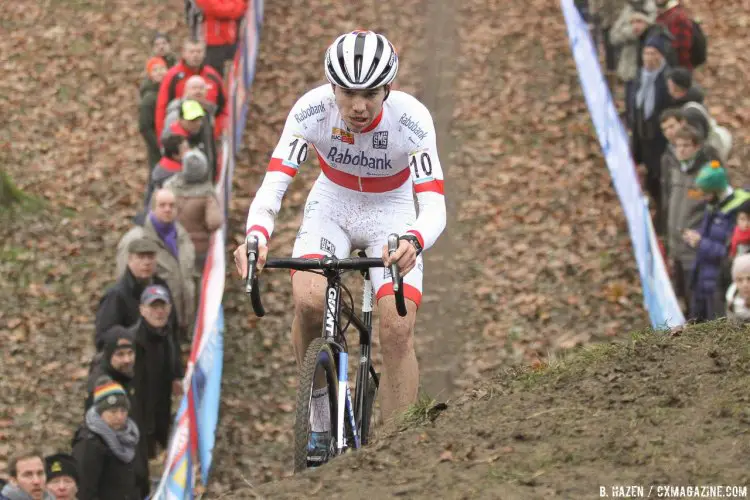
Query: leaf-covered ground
{"points": [[536, 256]]}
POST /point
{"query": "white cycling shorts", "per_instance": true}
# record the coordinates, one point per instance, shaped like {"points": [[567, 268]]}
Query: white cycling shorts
{"points": [[338, 220]]}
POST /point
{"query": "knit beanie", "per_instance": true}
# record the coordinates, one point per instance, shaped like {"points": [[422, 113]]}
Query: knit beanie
{"points": [[741, 265], [109, 394], [697, 116], [59, 465], [656, 42], [681, 77], [153, 62], [195, 167], [712, 178]]}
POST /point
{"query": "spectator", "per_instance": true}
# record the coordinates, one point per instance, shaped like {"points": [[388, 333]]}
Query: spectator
{"points": [[626, 37], [27, 479], [200, 131], [650, 99], [669, 121], [156, 68], [681, 87], [738, 294], [172, 86], [605, 13], [161, 46], [158, 370], [717, 138], [116, 361], [672, 15], [120, 303], [196, 89], [174, 259], [684, 211], [105, 447], [197, 207], [175, 148], [62, 476], [711, 240], [740, 244], [221, 20]]}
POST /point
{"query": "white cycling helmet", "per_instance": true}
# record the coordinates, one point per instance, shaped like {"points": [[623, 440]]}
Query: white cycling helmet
{"points": [[361, 60]]}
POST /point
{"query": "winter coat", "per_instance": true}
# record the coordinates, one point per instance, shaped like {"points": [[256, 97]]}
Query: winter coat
{"points": [[173, 86], [683, 211], [716, 136], [716, 230], [103, 475], [621, 35], [176, 271], [121, 303], [146, 124], [678, 22], [221, 19], [12, 492], [197, 210], [157, 364]]}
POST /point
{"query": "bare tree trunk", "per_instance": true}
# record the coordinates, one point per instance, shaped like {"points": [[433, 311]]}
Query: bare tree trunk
{"points": [[9, 193]]}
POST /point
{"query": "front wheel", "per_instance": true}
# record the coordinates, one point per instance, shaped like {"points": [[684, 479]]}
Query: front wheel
{"points": [[319, 364]]}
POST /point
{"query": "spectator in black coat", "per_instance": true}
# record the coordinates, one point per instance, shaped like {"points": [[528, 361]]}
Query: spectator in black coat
{"points": [[106, 448], [62, 476], [116, 360], [158, 368], [682, 88], [120, 304], [650, 99]]}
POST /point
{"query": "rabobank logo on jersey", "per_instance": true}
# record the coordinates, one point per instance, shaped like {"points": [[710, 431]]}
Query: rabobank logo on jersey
{"points": [[311, 110], [409, 123], [346, 158]]}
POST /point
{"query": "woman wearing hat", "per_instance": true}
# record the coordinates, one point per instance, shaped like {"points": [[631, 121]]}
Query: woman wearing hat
{"points": [[105, 447], [62, 476]]}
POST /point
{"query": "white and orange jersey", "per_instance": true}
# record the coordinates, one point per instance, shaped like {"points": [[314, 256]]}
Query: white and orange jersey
{"points": [[395, 152]]}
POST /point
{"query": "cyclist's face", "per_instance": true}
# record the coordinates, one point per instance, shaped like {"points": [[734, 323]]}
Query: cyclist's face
{"points": [[142, 265], [359, 108]]}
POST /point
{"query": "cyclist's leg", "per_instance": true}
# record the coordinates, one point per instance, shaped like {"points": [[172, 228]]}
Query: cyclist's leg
{"points": [[400, 381]]}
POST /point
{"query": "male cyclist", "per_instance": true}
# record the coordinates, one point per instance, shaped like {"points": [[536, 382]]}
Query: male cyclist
{"points": [[376, 148]]}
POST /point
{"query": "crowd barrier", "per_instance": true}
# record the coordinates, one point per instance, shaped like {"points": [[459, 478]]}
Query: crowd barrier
{"points": [[659, 297], [194, 431]]}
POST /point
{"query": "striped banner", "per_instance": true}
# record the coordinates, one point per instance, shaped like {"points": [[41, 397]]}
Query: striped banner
{"points": [[193, 437]]}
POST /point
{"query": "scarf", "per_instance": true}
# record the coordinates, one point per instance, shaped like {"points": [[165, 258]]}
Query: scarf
{"points": [[13, 492], [739, 237], [122, 443], [646, 97], [167, 232]]}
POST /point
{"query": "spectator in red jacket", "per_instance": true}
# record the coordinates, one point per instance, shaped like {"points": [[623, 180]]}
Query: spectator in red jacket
{"points": [[173, 84], [673, 15], [221, 18]]}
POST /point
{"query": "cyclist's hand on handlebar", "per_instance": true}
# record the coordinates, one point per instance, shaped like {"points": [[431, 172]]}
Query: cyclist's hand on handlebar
{"points": [[240, 259], [405, 256]]}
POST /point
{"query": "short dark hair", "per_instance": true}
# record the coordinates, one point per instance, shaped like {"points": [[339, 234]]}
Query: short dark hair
{"points": [[688, 133], [192, 40], [24, 455], [158, 36], [668, 113], [681, 77], [172, 145]]}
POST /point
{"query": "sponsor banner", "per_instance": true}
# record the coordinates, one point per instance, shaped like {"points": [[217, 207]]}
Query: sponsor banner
{"points": [[194, 430], [659, 297]]}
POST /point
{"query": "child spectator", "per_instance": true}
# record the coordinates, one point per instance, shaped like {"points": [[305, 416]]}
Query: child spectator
{"points": [[711, 240], [161, 46], [175, 149], [683, 210], [197, 207], [738, 294], [105, 447], [156, 68], [741, 237]]}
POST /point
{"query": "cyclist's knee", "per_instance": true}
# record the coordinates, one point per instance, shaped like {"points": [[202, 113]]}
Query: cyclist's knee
{"points": [[308, 290], [396, 332]]}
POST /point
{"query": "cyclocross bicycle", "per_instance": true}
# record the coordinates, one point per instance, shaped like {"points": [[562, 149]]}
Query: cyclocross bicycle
{"points": [[327, 355]]}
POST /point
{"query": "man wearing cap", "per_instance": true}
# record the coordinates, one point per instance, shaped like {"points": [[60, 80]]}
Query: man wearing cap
{"points": [[173, 84], [119, 305], [190, 120], [158, 369], [175, 256], [62, 476]]}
